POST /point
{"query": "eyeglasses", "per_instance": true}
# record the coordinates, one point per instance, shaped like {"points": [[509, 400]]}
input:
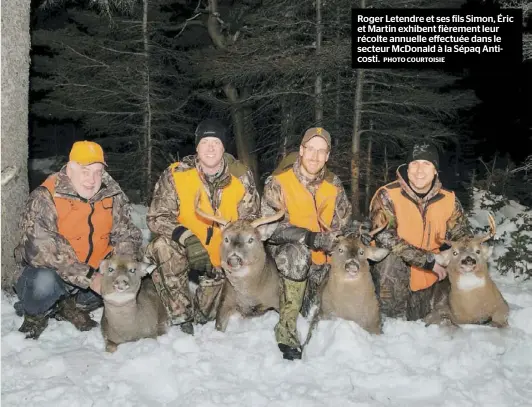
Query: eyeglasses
{"points": [[312, 150]]}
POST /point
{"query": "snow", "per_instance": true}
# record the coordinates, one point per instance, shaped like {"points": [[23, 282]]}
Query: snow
{"points": [[409, 365]]}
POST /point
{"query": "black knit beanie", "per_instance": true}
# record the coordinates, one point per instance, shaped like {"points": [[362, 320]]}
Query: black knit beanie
{"points": [[211, 128], [425, 151]]}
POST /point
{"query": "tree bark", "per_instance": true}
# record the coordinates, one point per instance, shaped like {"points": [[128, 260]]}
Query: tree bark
{"points": [[368, 173], [338, 110], [242, 138], [15, 86], [318, 91], [148, 112], [355, 142]]}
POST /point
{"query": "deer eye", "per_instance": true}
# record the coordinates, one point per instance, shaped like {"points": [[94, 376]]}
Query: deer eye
{"points": [[132, 271], [226, 240], [361, 252], [455, 252], [251, 240], [110, 270], [340, 250], [477, 251]]}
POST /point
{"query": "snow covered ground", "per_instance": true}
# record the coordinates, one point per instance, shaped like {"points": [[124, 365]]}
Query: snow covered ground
{"points": [[409, 365]]}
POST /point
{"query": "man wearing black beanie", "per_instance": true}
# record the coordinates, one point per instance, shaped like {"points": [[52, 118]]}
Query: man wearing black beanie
{"points": [[418, 212], [186, 243]]}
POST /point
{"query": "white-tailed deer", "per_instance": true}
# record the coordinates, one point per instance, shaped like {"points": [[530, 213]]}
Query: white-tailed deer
{"points": [[251, 285], [132, 307], [349, 292], [474, 298]]}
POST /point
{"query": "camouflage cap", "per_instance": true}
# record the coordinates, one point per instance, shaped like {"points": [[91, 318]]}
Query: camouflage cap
{"points": [[424, 151], [317, 132]]}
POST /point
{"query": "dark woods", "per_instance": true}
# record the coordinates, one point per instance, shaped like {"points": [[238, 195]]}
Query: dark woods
{"points": [[138, 78]]}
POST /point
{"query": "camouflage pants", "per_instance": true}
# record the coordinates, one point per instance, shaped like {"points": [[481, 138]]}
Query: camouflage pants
{"points": [[392, 285], [299, 286], [172, 283]]}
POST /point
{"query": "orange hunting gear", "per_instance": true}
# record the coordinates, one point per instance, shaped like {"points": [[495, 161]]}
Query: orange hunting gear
{"points": [[86, 153], [421, 230], [187, 184], [303, 209], [86, 226]]}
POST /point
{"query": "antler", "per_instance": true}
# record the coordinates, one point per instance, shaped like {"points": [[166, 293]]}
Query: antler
{"points": [[217, 219], [377, 230], [492, 230], [267, 219], [440, 241], [272, 218], [322, 223]]}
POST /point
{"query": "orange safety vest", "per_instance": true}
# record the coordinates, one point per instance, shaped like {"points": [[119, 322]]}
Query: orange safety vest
{"points": [[421, 232], [187, 184], [303, 210], [86, 226]]}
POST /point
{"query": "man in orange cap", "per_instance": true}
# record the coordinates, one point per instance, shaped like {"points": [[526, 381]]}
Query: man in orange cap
{"points": [[72, 221]]}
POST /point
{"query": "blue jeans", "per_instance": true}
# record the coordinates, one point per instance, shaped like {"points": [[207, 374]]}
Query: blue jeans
{"points": [[39, 289]]}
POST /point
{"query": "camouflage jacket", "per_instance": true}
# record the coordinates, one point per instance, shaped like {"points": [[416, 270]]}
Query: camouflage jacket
{"points": [[41, 244], [164, 209], [382, 210], [283, 231]]}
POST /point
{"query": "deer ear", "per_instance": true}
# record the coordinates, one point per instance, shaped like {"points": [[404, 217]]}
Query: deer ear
{"points": [[376, 254], [443, 258], [146, 268], [265, 231], [487, 250], [104, 265]]}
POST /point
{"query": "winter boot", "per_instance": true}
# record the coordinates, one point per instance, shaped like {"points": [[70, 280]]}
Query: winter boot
{"points": [[34, 325], [291, 297], [187, 328], [67, 311]]}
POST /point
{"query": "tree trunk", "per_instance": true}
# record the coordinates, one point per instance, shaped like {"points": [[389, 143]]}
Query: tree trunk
{"points": [[242, 137], [318, 87], [237, 113], [287, 126], [368, 173], [355, 141], [15, 85], [337, 111], [148, 112], [386, 166]]}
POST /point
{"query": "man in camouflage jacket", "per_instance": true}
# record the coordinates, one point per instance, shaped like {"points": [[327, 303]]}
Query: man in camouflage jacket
{"points": [[71, 222], [306, 190], [419, 213], [187, 244]]}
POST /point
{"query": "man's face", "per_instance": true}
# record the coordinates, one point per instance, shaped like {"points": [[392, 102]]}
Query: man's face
{"points": [[314, 154], [86, 179], [210, 151], [421, 173]]}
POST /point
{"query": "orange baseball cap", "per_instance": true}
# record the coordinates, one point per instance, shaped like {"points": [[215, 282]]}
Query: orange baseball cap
{"points": [[86, 153]]}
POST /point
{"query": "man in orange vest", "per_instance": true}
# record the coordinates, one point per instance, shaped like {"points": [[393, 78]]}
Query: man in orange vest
{"points": [[419, 212], [304, 187], [76, 218], [187, 243]]}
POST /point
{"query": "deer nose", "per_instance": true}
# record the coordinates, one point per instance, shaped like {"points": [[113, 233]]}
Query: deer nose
{"points": [[234, 260], [121, 284], [469, 261], [351, 265]]}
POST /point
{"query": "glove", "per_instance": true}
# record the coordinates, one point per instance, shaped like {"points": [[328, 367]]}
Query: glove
{"points": [[215, 273], [322, 240], [197, 256]]}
